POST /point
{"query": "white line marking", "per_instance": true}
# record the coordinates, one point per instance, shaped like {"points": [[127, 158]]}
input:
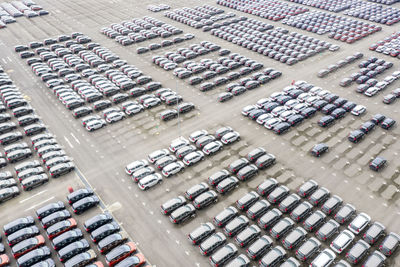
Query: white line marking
{"points": [[34, 206], [76, 139], [69, 143], [4, 60], [37, 194]]}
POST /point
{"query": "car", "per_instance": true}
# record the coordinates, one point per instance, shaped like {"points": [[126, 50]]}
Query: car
{"points": [[201, 233], [49, 208], [258, 248], [247, 172], [319, 149], [301, 211], [119, 253], [294, 238], [308, 249], [66, 238], [273, 257], [389, 99], [149, 181], [342, 241], [205, 199], [18, 224], [61, 169], [27, 245], [138, 259], [359, 223], [34, 256], [104, 230], [193, 137], [331, 205], [212, 147], [319, 196], [79, 194], [54, 218], [60, 227], [314, 221], [358, 110], [212, 243], [378, 118], [345, 213], [390, 244], [81, 259], [375, 259], [356, 136], [230, 137], [222, 218], [327, 230], [97, 221], [265, 161], [278, 194], [178, 143], [236, 225], [266, 187], [247, 200], [367, 127], [253, 155], [73, 249], [193, 158], [357, 252], [325, 258], [289, 202], [182, 213], [377, 164], [387, 123], [141, 173], [248, 235], [84, 204], [258, 209], [281, 228], [374, 232], [111, 241]]}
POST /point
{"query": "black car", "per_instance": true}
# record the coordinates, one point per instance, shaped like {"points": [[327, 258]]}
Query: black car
{"points": [[22, 234], [84, 204], [55, 217], [266, 187], [205, 199], [227, 185], [281, 228], [278, 194], [259, 247], [183, 213], [390, 244], [308, 249], [225, 216], [73, 249], [265, 161], [327, 230], [258, 209], [319, 196], [387, 123], [247, 200], [289, 203], [282, 127], [97, 221], [345, 213], [377, 164], [319, 149], [301, 211], [247, 172], [367, 127], [378, 118], [357, 252], [235, 166], [331, 205], [34, 256], [246, 236], [201, 233], [236, 225], [269, 219], [49, 208], [217, 177], [356, 136], [212, 243], [103, 231], [255, 154], [196, 190], [79, 194], [66, 238], [112, 241], [18, 224], [172, 205]]}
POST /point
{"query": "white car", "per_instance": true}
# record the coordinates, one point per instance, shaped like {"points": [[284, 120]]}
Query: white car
{"points": [[263, 118], [270, 124], [193, 137], [193, 158], [173, 168], [149, 181], [95, 125], [324, 259], [389, 79], [359, 223], [178, 143], [247, 109], [261, 102], [371, 91], [275, 95], [134, 109], [135, 165], [284, 116], [323, 93], [110, 110], [315, 90], [151, 102], [212, 147], [303, 97], [288, 89], [115, 116], [299, 83], [291, 103], [358, 110], [230, 138], [342, 241], [381, 85], [311, 100], [278, 111], [158, 154], [299, 108]]}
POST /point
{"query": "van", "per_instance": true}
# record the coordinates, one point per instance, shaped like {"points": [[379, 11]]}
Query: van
{"points": [[34, 181]]}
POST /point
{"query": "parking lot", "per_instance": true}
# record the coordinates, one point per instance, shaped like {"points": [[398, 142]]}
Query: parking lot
{"points": [[101, 156]]}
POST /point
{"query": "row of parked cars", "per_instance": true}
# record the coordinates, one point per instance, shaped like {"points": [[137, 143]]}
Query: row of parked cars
{"points": [[158, 8], [330, 5], [197, 17], [273, 10], [10, 11], [337, 27], [297, 102], [374, 12], [340, 64], [283, 229], [365, 77], [278, 43], [388, 46], [187, 153]]}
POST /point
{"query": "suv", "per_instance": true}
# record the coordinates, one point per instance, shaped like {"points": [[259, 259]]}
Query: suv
{"points": [[200, 233], [308, 249], [273, 257], [222, 218], [373, 233], [342, 241], [183, 213], [61, 169], [259, 247]]}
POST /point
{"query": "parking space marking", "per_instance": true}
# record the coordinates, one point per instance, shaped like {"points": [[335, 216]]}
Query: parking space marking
{"points": [[76, 139], [69, 143], [39, 204], [35, 195]]}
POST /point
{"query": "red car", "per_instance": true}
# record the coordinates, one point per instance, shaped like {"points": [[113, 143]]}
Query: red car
{"points": [[60, 227], [4, 260], [119, 253], [27, 245]]}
